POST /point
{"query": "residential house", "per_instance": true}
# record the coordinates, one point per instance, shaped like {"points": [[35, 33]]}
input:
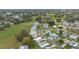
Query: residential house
{"points": [[43, 45], [39, 39], [24, 47], [48, 47], [65, 34], [73, 43], [55, 36], [45, 26], [63, 45], [41, 42], [74, 36]]}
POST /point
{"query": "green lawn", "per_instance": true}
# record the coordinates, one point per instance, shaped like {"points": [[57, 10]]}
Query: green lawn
{"points": [[7, 37], [11, 31]]}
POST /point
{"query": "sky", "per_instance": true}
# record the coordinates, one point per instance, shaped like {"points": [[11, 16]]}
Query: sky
{"points": [[39, 4]]}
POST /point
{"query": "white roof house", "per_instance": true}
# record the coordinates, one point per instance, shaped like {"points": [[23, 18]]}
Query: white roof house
{"points": [[33, 28], [48, 47], [54, 35], [54, 26], [34, 35], [45, 26], [73, 43], [63, 45], [33, 32], [50, 38], [53, 46], [39, 39], [74, 36], [58, 30], [36, 23], [44, 42], [66, 41], [43, 45], [66, 23], [65, 34], [41, 42], [8, 13], [16, 17], [24, 47]]}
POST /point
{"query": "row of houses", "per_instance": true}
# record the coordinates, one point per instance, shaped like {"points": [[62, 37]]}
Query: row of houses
{"points": [[71, 43], [70, 39], [41, 41], [8, 19], [71, 25]]}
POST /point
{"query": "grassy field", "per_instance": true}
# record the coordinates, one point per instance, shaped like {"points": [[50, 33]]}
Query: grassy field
{"points": [[7, 38]]}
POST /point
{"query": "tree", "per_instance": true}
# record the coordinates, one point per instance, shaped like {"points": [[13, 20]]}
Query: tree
{"points": [[67, 46], [51, 23], [21, 35], [19, 38], [58, 19], [60, 42], [24, 32]]}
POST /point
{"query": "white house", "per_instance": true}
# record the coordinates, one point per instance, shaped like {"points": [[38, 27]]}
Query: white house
{"points": [[53, 46], [58, 30], [54, 26], [45, 26], [33, 32], [39, 39], [36, 23], [55, 36], [43, 44], [65, 34], [73, 43], [16, 17], [74, 36], [63, 45], [8, 13], [24, 47], [34, 35], [33, 27], [48, 47]]}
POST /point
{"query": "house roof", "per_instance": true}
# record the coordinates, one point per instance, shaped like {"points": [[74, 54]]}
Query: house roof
{"points": [[53, 35], [24, 47], [74, 36], [73, 43], [48, 47], [33, 32], [39, 39], [43, 45]]}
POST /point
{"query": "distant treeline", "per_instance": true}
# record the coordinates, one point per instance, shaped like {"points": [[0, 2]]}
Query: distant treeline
{"points": [[38, 10]]}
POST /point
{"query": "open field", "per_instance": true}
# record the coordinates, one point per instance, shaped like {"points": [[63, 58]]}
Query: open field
{"points": [[7, 38]]}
